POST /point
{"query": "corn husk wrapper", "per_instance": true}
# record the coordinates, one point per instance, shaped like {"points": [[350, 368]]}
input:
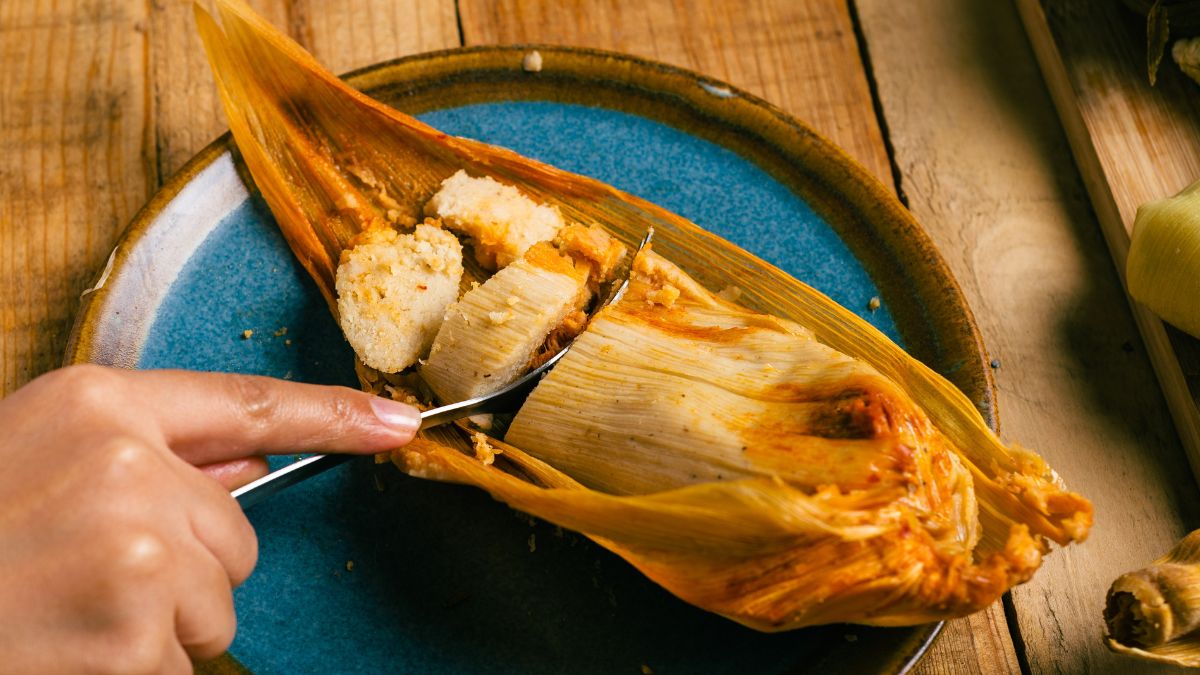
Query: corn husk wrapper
{"points": [[1154, 613], [1163, 266], [759, 550]]}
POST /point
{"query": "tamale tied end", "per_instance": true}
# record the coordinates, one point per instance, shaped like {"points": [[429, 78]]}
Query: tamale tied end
{"points": [[1154, 612]]}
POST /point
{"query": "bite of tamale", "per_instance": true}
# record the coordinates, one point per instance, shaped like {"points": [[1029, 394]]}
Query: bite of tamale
{"points": [[393, 290], [783, 466]]}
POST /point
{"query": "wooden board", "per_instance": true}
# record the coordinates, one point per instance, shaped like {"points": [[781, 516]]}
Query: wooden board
{"points": [[987, 171], [72, 93], [1133, 143], [100, 100], [799, 55]]}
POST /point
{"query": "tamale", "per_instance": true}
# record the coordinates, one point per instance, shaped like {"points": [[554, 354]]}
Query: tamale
{"points": [[1154, 613], [954, 519], [674, 386]]}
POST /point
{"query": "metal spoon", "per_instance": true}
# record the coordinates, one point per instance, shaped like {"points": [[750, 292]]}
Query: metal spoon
{"points": [[506, 399]]}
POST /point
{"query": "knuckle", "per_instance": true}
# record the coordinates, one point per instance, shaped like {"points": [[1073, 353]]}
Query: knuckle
{"points": [[342, 414], [85, 386], [247, 558], [135, 554], [255, 399], [341, 408], [124, 460], [242, 543]]}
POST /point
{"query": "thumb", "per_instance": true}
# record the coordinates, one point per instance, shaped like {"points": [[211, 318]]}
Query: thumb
{"points": [[208, 418]]}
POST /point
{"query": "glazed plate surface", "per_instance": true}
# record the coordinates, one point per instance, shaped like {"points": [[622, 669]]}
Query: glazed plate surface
{"points": [[364, 569]]}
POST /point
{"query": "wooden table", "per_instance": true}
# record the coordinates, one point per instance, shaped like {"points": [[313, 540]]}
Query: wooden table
{"points": [[101, 100]]}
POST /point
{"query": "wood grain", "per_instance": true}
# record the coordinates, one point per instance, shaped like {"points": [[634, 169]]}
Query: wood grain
{"points": [[100, 101], [184, 110], [351, 34], [799, 55], [72, 131], [343, 35], [988, 172], [976, 645], [1133, 143]]}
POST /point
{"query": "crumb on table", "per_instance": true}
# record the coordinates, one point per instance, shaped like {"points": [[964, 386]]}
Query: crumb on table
{"points": [[532, 62]]}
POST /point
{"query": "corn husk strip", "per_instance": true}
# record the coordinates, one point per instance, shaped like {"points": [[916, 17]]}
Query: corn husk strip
{"points": [[1154, 613], [306, 136]]}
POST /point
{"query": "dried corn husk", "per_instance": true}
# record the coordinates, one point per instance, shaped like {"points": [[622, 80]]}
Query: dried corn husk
{"points": [[1154, 613], [1163, 19], [765, 551]]}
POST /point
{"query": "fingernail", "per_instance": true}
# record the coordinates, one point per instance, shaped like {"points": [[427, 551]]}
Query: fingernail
{"points": [[396, 415]]}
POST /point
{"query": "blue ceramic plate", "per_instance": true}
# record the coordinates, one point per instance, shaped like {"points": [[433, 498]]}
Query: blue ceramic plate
{"points": [[364, 569]]}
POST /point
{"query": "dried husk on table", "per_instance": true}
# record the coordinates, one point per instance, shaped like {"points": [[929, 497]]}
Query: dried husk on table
{"points": [[1164, 19], [766, 552]]}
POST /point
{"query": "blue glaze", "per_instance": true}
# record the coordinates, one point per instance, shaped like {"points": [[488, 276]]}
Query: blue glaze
{"points": [[707, 184], [244, 277], [445, 579]]}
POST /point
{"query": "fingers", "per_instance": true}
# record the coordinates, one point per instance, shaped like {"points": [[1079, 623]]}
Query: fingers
{"points": [[212, 417], [176, 659], [205, 621], [237, 472], [179, 537], [219, 525]]}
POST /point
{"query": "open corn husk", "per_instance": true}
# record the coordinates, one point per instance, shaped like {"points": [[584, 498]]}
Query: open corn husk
{"points": [[763, 549], [1163, 266], [1154, 613]]}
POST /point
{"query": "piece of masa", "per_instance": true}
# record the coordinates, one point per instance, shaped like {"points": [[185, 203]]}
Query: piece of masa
{"points": [[393, 290]]}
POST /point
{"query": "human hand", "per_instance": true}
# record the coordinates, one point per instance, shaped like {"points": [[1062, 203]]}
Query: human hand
{"points": [[116, 552]]}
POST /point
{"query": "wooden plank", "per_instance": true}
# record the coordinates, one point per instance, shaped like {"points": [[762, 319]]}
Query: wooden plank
{"points": [[100, 102], [979, 644], [72, 105], [987, 171], [1133, 143], [350, 34], [185, 112], [343, 35], [801, 56]]}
